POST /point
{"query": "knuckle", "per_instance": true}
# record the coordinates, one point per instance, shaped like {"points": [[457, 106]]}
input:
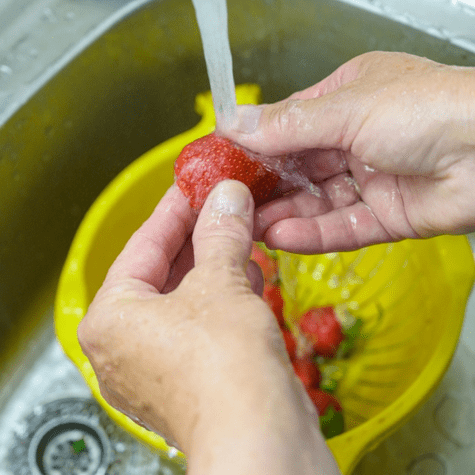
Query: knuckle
{"points": [[287, 115], [226, 234], [84, 335], [105, 393], [229, 243], [89, 335]]}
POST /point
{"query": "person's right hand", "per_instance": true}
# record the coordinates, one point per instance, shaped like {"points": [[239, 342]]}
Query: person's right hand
{"points": [[181, 343], [401, 127]]}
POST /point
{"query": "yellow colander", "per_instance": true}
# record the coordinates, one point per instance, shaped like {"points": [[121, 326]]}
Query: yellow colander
{"points": [[411, 297]]}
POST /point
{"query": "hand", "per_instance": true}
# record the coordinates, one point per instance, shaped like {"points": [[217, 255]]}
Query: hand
{"points": [[389, 138], [196, 355]]}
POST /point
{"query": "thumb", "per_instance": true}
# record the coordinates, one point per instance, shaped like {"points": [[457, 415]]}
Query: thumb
{"points": [[223, 231], [293, 125]]}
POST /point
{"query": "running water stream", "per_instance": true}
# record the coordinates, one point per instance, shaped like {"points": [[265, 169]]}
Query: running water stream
{"points": [[212, 18]]}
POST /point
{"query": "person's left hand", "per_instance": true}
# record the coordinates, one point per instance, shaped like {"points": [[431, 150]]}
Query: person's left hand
{"points": [[199, 358], [388, 139]]}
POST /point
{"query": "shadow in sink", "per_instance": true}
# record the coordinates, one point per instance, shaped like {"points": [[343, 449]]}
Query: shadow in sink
{"points": [[128, 90]]}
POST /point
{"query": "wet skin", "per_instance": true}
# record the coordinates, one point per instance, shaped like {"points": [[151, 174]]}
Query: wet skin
{"points": [[401, 126], [177, 330], [196, 355]]}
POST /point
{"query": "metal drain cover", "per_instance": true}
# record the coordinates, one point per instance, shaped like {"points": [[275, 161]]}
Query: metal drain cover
{"points": [[69, 446], [75, 436], [62, 437]]}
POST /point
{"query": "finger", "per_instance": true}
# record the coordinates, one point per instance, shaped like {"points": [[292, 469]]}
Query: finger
{"points": [[322, 164], [256, 278], [343, 229], [316, 164], [344, 74], [184, 262], [223, 231], [295, 125], [336, 192], [322, 116], [298, 204], [149, 254]]}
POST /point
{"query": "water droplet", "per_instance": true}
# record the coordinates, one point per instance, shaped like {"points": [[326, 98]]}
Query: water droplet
{"points": [[455, 420], [21, 429], [120, 447], [302, 267], [172, 452], [20, 124], [5, 70], [427, 464], [49, 16], [261, 78], [246, 54], [333, 281], [318, 271], [12, 157]]}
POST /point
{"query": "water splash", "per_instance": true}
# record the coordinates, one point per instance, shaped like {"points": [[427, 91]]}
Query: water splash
{"points": [[212, 18], [288, 168]]}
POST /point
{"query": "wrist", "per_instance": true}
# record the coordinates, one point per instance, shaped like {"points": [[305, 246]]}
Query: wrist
{"points": [[269, 427], [463, 111]]}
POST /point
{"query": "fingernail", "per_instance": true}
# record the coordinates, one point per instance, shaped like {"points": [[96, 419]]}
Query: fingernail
{"points": [[248, 118], [231, 197]]}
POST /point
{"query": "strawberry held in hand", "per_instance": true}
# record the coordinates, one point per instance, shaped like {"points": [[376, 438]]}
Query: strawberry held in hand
{"points": [[211, 159]]}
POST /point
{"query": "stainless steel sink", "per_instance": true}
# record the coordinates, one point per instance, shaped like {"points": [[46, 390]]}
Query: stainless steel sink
{"points": [[115, 79]]}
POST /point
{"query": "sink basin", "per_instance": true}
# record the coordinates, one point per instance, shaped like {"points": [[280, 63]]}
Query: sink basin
{"points": [[127, 85]]}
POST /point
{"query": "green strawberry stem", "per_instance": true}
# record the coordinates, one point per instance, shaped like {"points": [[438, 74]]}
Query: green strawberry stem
{"points": [[352, 334], [332, 423]]}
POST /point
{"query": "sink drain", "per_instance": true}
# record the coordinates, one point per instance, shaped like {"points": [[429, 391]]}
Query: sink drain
{"points": [[69, 446], [63, 437], [75, 436]]}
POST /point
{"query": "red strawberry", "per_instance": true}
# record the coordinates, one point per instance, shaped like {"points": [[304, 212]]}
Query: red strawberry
{"points": [[272, 295], [211, 159], [290, 343], [322, 328], [329, 411], [267, 264], [308, 372], [323, 400]]}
